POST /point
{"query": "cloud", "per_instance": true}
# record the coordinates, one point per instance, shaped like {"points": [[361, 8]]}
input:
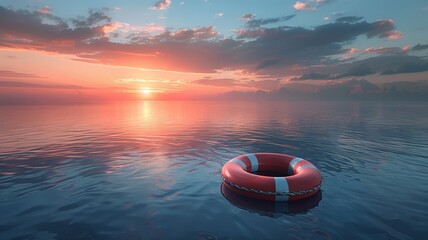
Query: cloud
{"points": [[309, 5], [262, 50], [223, 82], [17, 84], [228, 82], [306, 46], [394, 64], [268, 63], [349, 19], [256, 23], [161, 4], [268, 85], [322, 1], [385, 50], [29, 28], [408, 67], [394, 35], [220, 14], [190, 34], [385, 28], [45, 10], [419, 47], [4, 74], [359, 70], [354, 89], [352, 50], [301, 6], [248, 16], [96, 17], [313, 76], [383, 64]]}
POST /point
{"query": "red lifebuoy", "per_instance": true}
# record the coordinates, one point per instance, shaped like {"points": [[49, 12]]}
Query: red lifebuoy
{"points": [[300, 178]]}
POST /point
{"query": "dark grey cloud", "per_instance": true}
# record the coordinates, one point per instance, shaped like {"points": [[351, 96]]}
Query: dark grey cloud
{"points": [[407, 86], [256, 23], [268, 63], [384, 64], [306, 46], [393, 64], [188, 34], [359, 70], [95, 17], [22, 25], [419, 47], [248, 16], [348, 19], [408, 67], [382, 29]]}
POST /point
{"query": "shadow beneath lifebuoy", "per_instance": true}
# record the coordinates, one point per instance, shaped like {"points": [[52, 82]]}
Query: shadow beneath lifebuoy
{"points": [[269, 208]]}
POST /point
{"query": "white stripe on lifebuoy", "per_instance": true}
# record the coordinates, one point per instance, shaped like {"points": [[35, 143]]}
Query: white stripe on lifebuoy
{"points": [[292, 164], [308, 166], [281, 185], [254, 162], [240, 162]]}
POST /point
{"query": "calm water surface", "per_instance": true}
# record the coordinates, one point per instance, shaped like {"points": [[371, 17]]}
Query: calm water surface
{"points": [[151, 170]]}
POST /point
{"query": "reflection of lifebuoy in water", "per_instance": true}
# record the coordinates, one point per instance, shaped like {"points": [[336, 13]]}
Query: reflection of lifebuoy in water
{"points": [[269, 208], [299, 178]]}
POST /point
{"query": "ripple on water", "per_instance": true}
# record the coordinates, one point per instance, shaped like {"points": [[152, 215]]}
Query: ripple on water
{"points": [[151, 170]]}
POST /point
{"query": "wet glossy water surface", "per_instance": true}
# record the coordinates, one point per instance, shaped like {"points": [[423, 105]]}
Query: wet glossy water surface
{"points": [[151, 170]]}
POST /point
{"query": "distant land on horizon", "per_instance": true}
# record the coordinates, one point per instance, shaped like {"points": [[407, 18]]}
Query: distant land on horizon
{"points": [[355, 89]]}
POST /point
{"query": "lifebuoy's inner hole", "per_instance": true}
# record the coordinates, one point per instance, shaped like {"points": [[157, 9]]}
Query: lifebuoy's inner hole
{"points": [[273, 167], [272, 173]]}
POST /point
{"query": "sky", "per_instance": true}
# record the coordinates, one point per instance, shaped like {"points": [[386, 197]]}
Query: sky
{"points": [[175, 50]]}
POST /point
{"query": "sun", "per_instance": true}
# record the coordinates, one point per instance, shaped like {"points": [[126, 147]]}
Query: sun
{"points": [[145, 91]]}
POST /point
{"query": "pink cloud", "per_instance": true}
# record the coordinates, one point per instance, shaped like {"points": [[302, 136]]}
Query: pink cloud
{"points": [[162, 4], [385, 29], [45, 10], [301, 6], [394, 35], [386, 50], [406, 48], [309, 5], [151, 27], [352, 50]]}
